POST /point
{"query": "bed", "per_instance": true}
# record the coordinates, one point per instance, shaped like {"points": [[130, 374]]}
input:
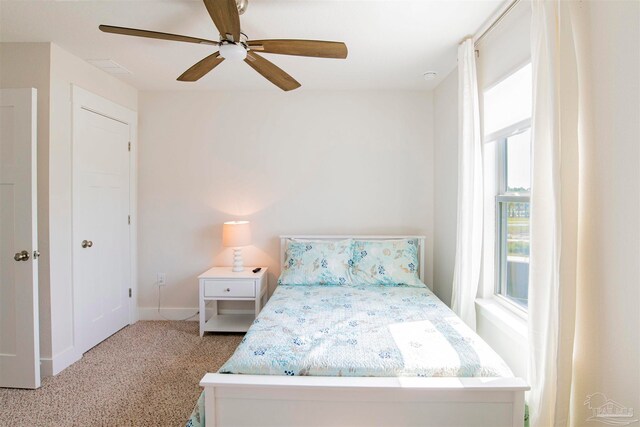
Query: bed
{"points": [[361, 355]]}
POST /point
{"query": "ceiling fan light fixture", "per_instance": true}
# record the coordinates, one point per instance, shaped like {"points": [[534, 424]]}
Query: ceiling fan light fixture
{"points": [[233, 51]]}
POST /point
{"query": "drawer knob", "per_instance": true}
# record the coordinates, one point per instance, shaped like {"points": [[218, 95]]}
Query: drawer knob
{"points": [[227, 290]]}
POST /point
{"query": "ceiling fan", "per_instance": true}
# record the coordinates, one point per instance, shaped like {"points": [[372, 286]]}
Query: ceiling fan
{"points": [[234, 45]]}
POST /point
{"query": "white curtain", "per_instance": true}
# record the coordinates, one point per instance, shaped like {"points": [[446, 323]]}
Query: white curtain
{"points": [[555, 218], [469, 227]]}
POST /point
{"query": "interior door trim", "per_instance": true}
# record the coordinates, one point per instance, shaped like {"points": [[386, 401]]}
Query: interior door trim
{"points": [[103, 115], [85, 100]]}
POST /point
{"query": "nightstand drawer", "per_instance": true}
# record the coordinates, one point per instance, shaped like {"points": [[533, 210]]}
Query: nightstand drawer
{"points": [[229, 288]]}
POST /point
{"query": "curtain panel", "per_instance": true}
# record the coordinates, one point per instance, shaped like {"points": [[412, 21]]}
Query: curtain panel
{"points": [[469, 220], [555, 218]]}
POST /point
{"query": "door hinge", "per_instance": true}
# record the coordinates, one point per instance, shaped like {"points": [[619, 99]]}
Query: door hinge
{"points": [[129, 146], [129, 219], [129, 292]]}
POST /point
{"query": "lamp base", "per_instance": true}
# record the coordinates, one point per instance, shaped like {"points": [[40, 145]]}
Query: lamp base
{"points": [[238, 265]]}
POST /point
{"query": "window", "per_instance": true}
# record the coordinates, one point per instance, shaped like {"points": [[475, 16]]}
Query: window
{"points": [[507, 123], [512, 213]]}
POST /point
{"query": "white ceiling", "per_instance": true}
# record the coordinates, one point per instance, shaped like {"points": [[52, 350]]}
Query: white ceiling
{"points": [[391, 43]]}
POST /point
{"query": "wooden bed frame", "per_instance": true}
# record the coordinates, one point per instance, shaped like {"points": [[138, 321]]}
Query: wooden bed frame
{"points": [[270, 400]]}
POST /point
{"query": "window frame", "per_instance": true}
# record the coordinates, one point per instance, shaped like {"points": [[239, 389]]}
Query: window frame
{"points": [[502, 196]]}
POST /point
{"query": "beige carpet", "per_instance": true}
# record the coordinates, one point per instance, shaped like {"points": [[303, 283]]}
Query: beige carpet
{"points": [[145, 375]]}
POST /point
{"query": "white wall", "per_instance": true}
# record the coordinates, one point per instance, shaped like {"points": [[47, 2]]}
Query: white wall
{"points": [[445, 143], [298, 162], [607, 345]]}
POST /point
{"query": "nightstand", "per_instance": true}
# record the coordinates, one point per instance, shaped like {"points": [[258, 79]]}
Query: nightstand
{"points": [[222, 284]]}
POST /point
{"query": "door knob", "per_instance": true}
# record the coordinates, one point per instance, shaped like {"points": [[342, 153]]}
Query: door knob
{"points": [[86, 243], [21, 256]]}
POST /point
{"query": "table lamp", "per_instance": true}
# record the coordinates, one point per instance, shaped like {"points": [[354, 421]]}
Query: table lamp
{"points": [[236, 234]]}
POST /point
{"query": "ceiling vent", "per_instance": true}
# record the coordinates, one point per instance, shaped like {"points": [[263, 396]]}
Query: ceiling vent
{"points": [[109, 65]]}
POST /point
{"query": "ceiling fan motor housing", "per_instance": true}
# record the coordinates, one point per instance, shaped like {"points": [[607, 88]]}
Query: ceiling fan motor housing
{"points": [[242, 6]]}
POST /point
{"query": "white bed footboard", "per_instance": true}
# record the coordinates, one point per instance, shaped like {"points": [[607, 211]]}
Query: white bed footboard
{"points": [[265, 400]]}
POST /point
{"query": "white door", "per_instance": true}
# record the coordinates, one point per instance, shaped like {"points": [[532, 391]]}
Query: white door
{"points": [[101, 236], [19, 333]]}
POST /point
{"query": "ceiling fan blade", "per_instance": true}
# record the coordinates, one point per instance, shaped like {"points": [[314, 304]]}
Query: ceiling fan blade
{"points": [[154, 35], [225, 15], [197, 71], [271, 72], [315, 48]]}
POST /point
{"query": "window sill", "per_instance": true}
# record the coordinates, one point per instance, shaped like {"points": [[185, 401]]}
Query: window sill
{"points": [[511, 306], [500, 313]]}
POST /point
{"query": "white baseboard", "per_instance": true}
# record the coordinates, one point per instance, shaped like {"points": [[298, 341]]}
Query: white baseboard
{"points": [[56, 364], [46, 367], [151, 313]]}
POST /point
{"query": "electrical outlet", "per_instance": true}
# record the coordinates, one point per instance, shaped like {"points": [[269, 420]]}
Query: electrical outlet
{"points": [[161, 279]]}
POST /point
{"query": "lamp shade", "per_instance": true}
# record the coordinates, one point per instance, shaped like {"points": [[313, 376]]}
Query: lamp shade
{"points": [[236, 234]]}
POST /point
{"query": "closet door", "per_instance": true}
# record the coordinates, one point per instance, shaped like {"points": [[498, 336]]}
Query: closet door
{"points": [[101, 236]]}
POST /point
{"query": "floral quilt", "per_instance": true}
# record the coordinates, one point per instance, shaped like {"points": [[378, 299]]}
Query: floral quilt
{"points": [[367, 330]]}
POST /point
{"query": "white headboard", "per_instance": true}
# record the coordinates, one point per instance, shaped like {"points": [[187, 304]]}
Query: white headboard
{"points": [[421, 239]]}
